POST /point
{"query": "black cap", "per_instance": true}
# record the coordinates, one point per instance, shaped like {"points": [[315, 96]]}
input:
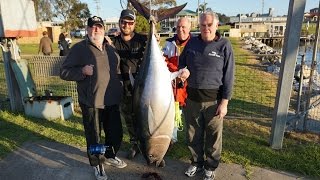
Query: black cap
{"points": [[127, 13], [95, 20]]}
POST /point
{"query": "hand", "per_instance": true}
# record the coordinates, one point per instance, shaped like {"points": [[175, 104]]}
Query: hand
{"points": [[88, 70], [222, 108], [108, 39], [157, 37], [184, 74]]}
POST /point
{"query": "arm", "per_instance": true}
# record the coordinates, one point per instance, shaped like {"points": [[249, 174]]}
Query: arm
{"points": [[72, 69], [51, 46], [40, 46], [228, 72], [228, 80]]}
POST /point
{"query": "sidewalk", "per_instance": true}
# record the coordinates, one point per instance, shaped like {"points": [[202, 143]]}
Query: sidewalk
{"points": [[51, 161]]}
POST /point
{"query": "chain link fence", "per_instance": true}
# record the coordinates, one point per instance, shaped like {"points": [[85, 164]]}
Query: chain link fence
{"points": [[253, 97]]}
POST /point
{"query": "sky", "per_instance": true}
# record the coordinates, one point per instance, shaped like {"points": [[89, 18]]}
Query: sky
{"points": [[112, 8]]}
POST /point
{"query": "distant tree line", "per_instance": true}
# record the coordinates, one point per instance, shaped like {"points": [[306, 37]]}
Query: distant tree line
{"points": [[74, 13], [71, 12]]}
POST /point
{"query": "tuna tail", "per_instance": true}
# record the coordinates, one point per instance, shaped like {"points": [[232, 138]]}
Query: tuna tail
{"points": [[158, 15]]}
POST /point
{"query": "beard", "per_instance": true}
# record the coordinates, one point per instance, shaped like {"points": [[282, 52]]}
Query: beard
{"points": [[126, 31], [96, 39]]}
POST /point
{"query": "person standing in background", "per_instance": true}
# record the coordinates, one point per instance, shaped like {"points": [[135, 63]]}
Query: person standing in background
{"points": [[45, 45], [63, 45], [171, 51], [209, 58]]}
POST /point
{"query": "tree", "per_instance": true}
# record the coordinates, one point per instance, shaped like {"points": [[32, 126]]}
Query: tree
{"points": [[72, 12], [43, 10], [202, 7]]}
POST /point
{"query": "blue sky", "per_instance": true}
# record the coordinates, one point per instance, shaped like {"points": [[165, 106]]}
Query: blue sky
{"points": [[112, 8]]}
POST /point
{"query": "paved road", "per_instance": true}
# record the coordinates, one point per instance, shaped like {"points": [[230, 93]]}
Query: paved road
{"points": [[51, 161]]}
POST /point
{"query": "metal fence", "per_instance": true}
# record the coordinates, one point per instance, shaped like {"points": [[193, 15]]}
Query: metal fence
{"points": [[253, 97]]}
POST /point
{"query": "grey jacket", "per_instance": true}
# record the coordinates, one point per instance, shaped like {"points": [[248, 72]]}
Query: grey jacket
{"points": [[92, 90]]}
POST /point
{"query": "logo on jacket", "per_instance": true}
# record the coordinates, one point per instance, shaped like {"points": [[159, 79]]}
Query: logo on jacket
{"points": [[213, 53]]}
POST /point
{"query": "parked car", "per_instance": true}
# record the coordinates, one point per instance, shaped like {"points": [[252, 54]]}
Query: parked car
{"points": [[166, 30], [113, 32], [80, 33]]}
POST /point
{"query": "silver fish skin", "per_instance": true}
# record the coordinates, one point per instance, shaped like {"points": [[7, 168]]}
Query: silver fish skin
{"points": [[153, 94]]}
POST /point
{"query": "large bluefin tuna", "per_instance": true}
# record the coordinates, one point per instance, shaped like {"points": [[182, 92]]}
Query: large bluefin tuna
{"points": [[153, 95]]}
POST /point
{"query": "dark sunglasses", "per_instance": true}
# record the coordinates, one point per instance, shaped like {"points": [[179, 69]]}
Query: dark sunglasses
{"points": [[127, 22]]}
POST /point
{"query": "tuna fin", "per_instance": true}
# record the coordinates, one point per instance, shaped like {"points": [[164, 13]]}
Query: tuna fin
{"points": [[160, 14]]}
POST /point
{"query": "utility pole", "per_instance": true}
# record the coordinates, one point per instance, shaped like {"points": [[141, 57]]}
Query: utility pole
{"points": [[198, 14], [262, 7], [97, 7]]}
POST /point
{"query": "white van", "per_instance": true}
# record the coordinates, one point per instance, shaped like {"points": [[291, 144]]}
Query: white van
{"points": [[80, 33]]}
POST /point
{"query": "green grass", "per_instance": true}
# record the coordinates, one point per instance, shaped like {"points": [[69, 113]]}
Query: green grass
{"points": [[245, 141]]}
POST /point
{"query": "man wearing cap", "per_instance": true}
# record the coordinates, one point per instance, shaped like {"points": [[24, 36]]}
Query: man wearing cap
{"points": [[130, 46], [94, 65]]}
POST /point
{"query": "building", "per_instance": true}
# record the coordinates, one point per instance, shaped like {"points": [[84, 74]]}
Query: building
{"points": [[52, 29], [112, 22], [265, 25], [191, 15], [312, 15]]}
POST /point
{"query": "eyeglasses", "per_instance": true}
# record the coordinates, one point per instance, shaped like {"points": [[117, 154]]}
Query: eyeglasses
{"points": [[130, 23]]}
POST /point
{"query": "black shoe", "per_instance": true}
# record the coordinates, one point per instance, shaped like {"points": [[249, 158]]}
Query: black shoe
{"points": [[134, 150]]}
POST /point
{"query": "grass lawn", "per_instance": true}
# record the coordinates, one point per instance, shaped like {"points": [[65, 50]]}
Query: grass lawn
{"points": [[245, 141]]}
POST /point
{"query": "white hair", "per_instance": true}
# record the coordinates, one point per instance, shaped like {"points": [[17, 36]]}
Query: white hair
{"points": [[210, 13]]}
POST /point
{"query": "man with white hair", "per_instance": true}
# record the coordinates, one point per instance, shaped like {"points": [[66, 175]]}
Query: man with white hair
{"points": [[94, 64], [171, 51], [209, 58]]}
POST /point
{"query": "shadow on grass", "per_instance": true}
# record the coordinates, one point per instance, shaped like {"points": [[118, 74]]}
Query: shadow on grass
{"points": [[239, 108]]}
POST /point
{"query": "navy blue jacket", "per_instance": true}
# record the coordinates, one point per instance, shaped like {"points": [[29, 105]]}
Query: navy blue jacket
{"points": [[211, 65]]}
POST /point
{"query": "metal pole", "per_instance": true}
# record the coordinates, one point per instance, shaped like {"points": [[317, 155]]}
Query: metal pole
{"points": [[289, 57], [313, 68], [198, 15], [9, 51]]}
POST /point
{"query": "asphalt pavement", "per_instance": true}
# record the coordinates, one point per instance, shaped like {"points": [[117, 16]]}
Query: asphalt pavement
{"points": [[44, 160]]}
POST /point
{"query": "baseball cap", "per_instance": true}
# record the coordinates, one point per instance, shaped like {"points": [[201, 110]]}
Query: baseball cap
{"points": [[95, 20], [127, 13]]}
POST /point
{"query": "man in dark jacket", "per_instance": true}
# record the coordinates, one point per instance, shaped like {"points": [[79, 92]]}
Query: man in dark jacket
{"points": [[130, 46], [94, 65]]}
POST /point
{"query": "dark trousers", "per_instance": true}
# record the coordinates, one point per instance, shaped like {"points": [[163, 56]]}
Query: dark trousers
{"points": [[127, 113], [204, 133], [109, 119]]}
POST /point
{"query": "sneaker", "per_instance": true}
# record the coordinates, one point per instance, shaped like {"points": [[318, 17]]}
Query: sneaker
{"points": [[116, 162], [209, 175], [192, 170], [100, 174]]}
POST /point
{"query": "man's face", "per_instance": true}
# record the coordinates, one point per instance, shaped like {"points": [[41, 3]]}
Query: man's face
{"points": [[208, 28], [183, 29], [96, 34], [126, 26]]}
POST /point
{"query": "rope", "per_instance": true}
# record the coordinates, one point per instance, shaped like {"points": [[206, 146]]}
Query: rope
{"points": [[178, 117]]}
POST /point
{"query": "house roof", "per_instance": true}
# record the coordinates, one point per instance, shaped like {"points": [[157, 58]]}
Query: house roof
{"points": [[187, 12]]}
